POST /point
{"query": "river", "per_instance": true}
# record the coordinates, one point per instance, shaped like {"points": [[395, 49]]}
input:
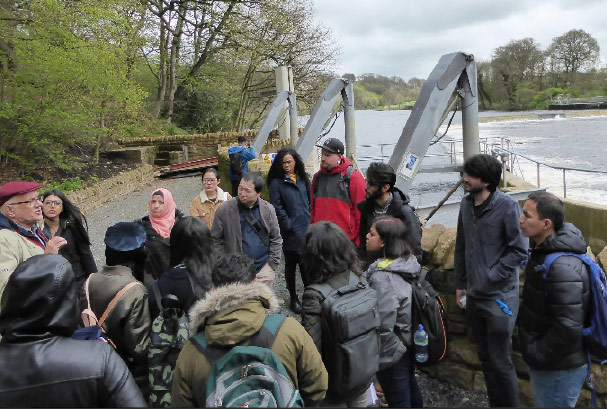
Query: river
{"points": [[576, 142]]}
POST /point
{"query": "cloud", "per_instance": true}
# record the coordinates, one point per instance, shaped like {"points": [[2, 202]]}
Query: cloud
{"points": [[406, 38]]}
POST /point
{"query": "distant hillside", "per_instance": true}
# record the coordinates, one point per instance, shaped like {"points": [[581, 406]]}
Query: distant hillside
{"points": [[372, 91]]}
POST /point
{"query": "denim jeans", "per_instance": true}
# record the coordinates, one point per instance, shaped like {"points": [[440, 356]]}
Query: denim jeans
{"points": [[557, 389], [399, 385]]}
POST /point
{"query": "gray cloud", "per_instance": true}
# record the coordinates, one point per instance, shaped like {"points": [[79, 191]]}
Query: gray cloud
{"points": [[407, 38]]}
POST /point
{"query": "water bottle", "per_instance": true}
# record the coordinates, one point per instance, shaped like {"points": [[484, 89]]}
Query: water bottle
{"points": [[420, 339]]}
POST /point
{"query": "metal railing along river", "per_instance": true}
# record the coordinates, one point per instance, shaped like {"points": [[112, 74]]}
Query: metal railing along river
{"points": [[500, 147]]}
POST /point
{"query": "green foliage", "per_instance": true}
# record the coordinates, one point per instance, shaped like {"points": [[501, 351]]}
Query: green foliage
{"points": [[364, 99], [69, 184]]}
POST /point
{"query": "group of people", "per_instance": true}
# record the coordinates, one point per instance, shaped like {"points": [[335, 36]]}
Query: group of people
{"points": [[219, 264]]}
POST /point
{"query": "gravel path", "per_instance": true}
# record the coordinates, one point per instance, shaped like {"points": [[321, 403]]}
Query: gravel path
{"points": [[134, 206]]}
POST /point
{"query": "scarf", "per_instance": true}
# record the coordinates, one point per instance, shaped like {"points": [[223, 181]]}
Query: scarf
{"points": [[164, 223]]}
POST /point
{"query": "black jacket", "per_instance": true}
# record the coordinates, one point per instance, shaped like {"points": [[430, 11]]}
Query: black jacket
{"points": [[41, 364], [552, 314], [158, 249], [176, 282], [77, 250], [399, 208]]}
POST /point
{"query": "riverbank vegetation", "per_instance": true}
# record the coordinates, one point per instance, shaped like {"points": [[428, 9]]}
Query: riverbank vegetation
{"points": [[77, 75], [519, 76]]}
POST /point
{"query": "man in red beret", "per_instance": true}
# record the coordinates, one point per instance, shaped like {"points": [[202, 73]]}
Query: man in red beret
{"points": [[20, 235]]}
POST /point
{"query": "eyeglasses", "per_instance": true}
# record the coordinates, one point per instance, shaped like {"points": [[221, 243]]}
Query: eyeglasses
{"points": [[30, 202], [244, 189], [209, 180], [53, 203]]}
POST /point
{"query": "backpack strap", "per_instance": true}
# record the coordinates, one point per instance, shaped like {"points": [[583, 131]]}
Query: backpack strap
{"points": [[157, 295], [258, 228], [263, 338], [115, 300]]}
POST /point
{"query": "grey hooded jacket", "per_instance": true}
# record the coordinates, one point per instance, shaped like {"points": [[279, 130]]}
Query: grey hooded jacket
{"points": [[392, 281]]}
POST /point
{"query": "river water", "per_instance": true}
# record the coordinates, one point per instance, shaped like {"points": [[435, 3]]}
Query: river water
{"points": [[569, 141]]}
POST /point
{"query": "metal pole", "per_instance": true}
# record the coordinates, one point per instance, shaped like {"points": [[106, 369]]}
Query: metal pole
{"points": [[469, 111], [350, 129], [538, 174], [293, 118], [564, 185], [282, 84]]}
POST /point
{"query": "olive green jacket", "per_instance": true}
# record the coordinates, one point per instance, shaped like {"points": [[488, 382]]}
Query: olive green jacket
{"points": [[230, 315]]}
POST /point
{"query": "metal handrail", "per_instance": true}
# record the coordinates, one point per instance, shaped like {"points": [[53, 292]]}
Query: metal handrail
{"points": [[504, 146]]}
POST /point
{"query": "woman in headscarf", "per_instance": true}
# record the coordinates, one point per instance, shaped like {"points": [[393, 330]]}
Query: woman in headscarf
{"points": [[158, 225]]}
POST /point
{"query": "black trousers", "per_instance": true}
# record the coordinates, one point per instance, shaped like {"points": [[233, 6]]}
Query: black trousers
{"points": [[492, 331], [292, 258], [235, 184]]}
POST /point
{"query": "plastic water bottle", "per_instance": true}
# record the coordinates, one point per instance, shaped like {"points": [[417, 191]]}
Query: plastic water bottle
{"points": [[420, 339]]}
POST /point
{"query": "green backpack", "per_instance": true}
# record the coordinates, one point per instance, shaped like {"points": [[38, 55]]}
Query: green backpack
{"points": [[251, 375], [170, 332]]}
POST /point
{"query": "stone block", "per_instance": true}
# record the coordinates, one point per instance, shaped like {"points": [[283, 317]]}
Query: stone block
{"points": [[443, 253], [599, 377], [479, 382], [463, 351], [602, 258], [519, 364], [456, 328], [525, 393], [430, 236], [456, 374]]}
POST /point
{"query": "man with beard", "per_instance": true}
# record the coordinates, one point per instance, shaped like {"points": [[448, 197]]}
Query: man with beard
{"points": [[336, 189], [488, 251], [383, 198]]}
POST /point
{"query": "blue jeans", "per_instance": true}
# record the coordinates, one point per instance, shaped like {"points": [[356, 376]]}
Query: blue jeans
{"points": [[557, 389], [399, 385]]}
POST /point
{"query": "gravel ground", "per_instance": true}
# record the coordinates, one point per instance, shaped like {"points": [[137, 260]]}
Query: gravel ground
{"points": [[134, 206]]}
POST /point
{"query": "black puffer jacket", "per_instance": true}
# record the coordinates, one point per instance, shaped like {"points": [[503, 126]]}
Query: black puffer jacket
{"points": [[41, 365], [158, 249], [552, 314]]}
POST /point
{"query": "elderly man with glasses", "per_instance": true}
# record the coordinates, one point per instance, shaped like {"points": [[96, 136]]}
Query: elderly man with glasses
{"points": [[20, 235]]}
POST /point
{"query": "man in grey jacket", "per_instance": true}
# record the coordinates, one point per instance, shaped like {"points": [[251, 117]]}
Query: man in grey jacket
{"points": [[488, 251], [248, 225]]}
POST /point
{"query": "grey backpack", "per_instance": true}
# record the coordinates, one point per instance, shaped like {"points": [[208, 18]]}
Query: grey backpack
{"points": [[350, 336]]}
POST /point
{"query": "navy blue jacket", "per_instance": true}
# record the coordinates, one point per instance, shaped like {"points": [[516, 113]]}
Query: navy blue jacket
{"points": [[292, 204]]}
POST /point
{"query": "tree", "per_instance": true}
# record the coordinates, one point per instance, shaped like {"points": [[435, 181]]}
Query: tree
{"points": [[518, 61], [572, 52]]}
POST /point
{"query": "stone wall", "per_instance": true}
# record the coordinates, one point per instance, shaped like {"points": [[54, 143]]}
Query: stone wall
{"points": [[462, 367], [109, 189]]}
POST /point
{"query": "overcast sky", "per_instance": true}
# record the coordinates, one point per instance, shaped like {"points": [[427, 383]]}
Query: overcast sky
{"points": [[406, 38]]}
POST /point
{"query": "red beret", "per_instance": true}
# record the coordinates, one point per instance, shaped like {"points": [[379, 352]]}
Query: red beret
{"points": [[19, 187]]}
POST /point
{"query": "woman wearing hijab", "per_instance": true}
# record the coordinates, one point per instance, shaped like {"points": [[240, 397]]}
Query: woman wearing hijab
{"points": [[158, 225]]}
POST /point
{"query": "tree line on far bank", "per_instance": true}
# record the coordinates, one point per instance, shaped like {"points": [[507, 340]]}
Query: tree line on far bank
{"points": [[519, 76]]}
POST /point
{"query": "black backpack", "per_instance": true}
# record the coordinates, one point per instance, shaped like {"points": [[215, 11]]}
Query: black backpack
{"points": [[236, 165], [350, 336], [428, 309]]}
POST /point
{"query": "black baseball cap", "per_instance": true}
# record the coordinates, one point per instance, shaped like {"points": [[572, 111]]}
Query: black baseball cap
{"points": [[333, 145]]}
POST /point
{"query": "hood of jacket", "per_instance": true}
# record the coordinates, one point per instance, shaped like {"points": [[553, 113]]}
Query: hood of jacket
{"points": [[567, 239], [221, 195], [40, 300], [340, 168], [399, 194], [408, 268], [232, 313]]}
